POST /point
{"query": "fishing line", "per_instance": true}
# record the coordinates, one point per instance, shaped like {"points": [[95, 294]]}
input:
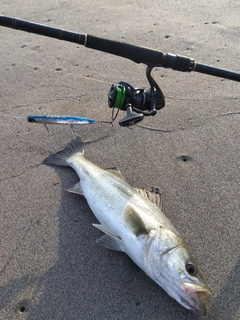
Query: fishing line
{"points": [[114, 116]]}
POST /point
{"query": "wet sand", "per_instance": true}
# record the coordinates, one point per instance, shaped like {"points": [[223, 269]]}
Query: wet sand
{"points": [[50, 265]]}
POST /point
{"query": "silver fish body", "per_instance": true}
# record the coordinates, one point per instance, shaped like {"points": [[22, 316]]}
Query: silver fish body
{"points": [[135, 225]]}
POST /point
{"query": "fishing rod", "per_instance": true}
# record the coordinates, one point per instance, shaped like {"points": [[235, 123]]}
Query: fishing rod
{"points": [[123, 96]]}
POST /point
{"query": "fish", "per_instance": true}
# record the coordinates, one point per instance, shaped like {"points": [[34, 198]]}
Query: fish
{"points": [[132, 221]]}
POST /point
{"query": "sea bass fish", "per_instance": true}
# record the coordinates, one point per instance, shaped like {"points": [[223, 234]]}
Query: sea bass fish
{"points": [[132, 221]]}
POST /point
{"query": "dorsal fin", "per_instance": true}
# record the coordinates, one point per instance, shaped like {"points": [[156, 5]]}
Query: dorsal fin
{"points": [[152, 195], [116, 171]]}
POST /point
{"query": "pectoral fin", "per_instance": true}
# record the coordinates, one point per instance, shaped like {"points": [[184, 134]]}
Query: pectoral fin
{"points": [[135, 222], [76, 189], [128, 269]]}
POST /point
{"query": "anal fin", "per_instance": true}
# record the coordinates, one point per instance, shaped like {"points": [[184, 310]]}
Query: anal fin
{"points": [[76, 189]]}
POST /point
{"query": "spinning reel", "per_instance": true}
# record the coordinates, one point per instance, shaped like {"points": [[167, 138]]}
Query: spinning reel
{"points": [[123, 96]]}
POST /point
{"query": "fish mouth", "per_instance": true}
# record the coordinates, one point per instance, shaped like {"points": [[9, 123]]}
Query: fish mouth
{"points": [[197, 293]]}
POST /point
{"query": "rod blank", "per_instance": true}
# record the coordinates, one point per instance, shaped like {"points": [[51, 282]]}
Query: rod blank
{"points": [[135, 53]]}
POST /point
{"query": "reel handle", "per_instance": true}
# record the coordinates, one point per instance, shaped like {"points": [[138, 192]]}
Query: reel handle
{"points": [[131, 118]]}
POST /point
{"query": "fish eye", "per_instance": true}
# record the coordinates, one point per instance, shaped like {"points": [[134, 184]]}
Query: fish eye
{"points": [[191, 269]]}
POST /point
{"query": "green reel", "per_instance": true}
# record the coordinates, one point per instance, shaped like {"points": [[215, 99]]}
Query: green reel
{"points": [[117, 96]]}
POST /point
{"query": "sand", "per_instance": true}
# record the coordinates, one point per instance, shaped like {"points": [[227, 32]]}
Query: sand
{"points": [[50, 265]]}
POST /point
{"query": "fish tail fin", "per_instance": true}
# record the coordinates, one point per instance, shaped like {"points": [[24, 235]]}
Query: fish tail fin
{"points": [[61, 158]]}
